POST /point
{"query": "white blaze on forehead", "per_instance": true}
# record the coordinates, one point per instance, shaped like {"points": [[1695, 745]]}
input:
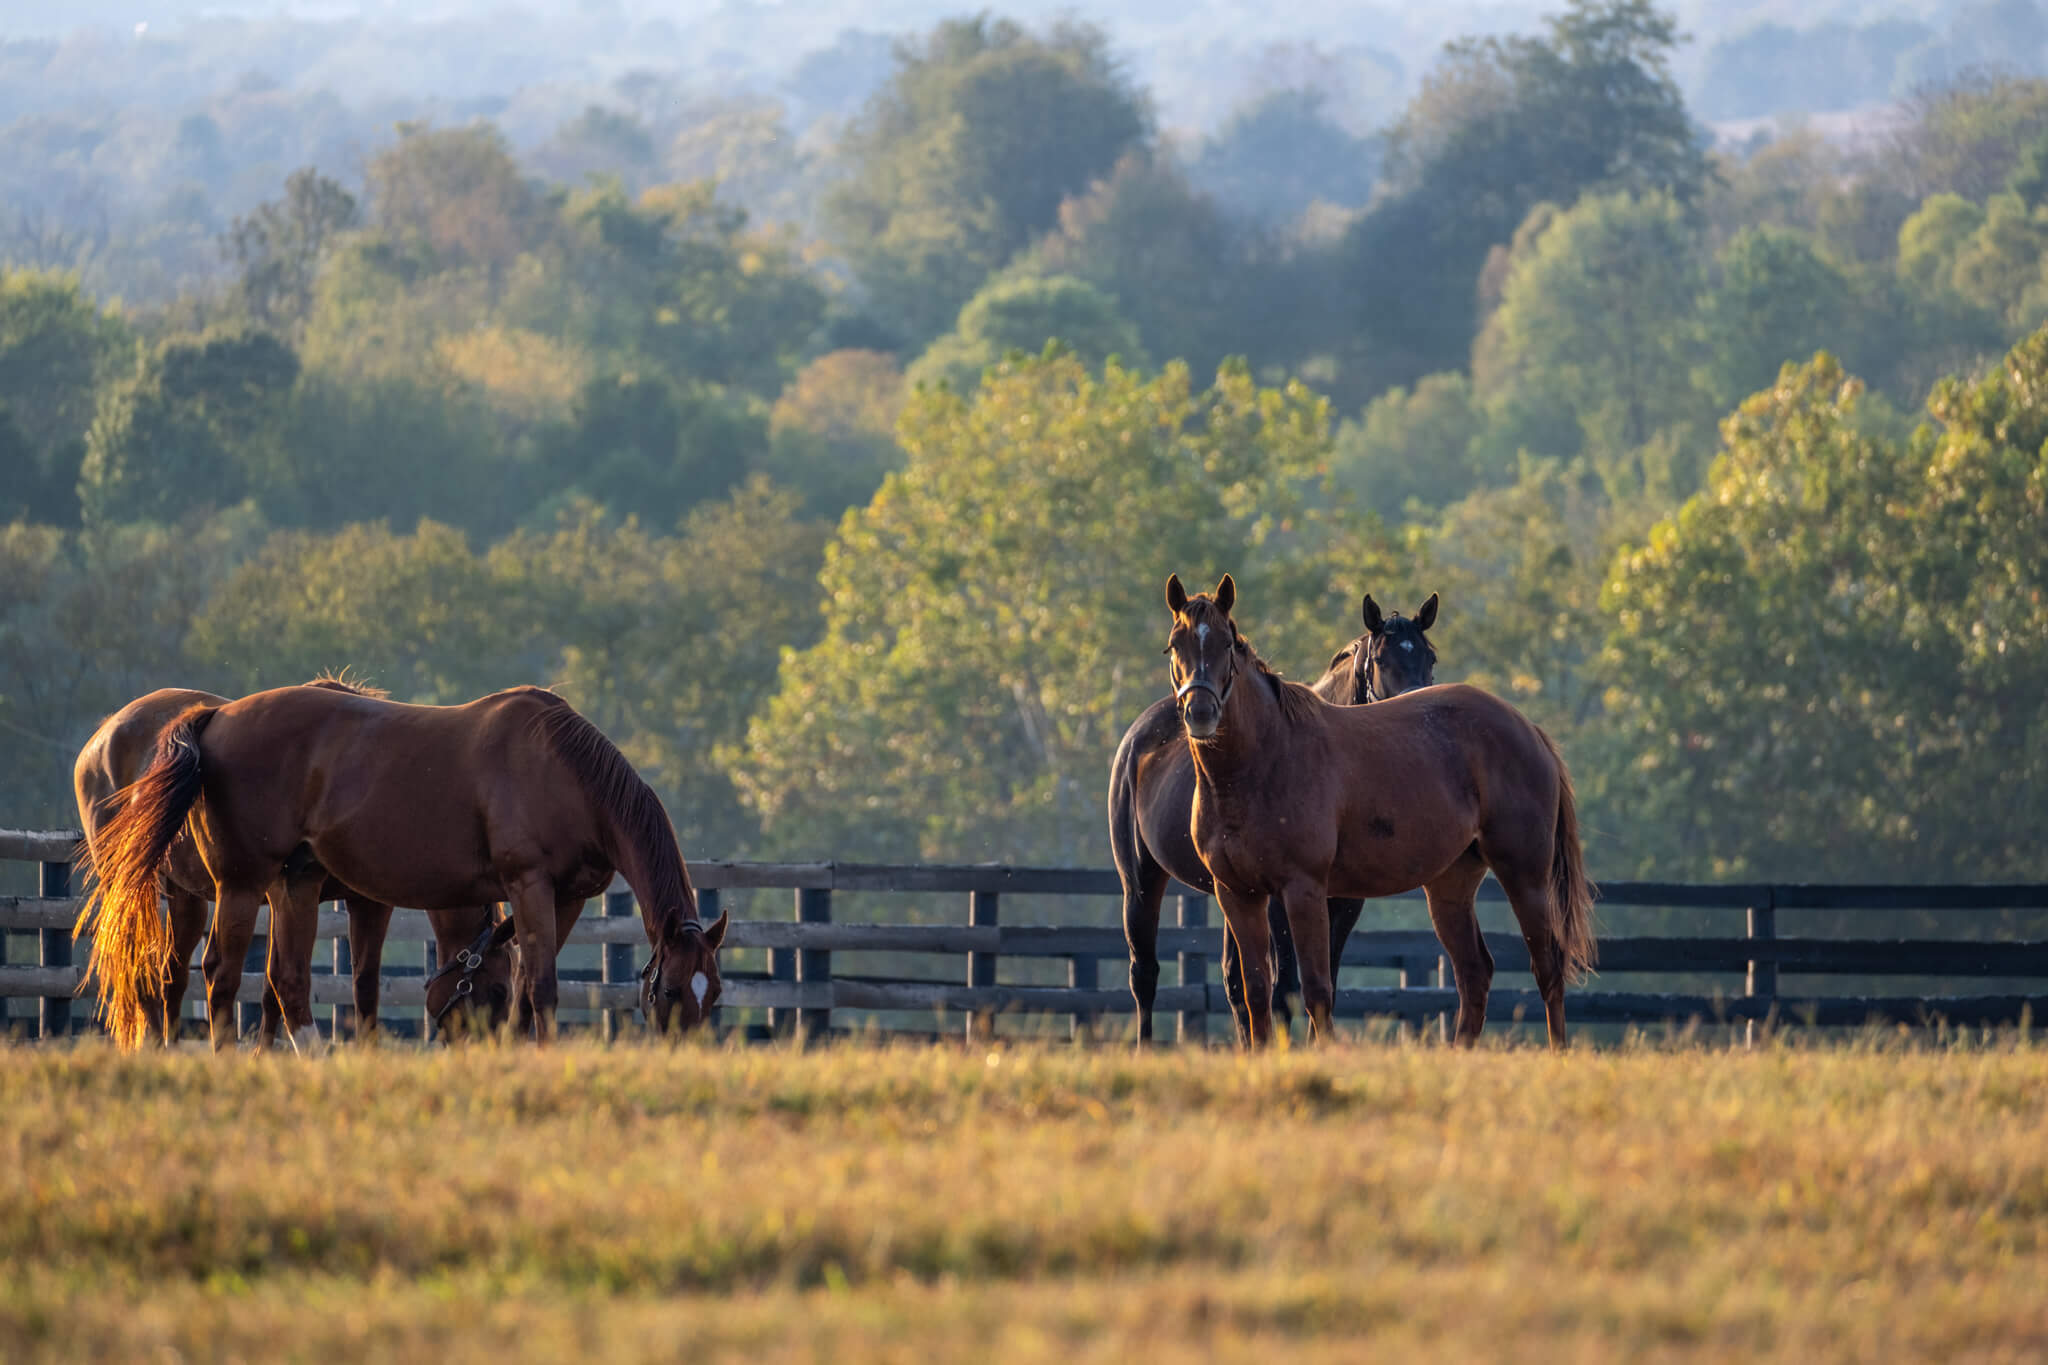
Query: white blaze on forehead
{"points": [[1407, 644], [1202, 632], [699, 984]]}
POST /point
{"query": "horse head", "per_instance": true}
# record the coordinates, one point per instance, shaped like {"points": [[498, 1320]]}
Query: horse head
{"points": [[1206, 651], [680, 984], [1394, 655], [473, 992]]}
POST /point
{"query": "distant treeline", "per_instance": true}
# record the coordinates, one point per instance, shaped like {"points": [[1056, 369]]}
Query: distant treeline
{"points": [[1729, 469]]}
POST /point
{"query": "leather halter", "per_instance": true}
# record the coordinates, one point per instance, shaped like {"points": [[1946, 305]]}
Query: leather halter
{"points": [[1200, 679], [469, 962], [647, 973]]}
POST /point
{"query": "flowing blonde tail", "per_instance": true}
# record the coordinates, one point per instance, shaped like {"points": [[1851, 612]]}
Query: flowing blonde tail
{"points": [[1571, 894], [131, 938]]}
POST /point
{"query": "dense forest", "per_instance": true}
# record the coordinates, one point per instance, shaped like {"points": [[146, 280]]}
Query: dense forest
{"points": [[837, 479]]}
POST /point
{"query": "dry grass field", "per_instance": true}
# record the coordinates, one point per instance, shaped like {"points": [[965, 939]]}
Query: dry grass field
{"points": [[1854, 1201]]}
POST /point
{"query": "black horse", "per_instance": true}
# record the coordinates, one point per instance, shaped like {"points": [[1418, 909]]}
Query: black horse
{"points": [[1152, 791]]}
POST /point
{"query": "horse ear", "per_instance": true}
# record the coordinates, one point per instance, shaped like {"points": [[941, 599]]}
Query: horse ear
{"points": [[715, 935], [1226, 595], [1374, 622], [1426, 617], [1176, 595]]}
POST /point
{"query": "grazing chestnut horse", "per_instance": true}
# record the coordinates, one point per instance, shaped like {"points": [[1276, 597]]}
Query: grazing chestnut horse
{"points": [[512, 797], [1301, 799], [1152, 790], [115, 756]]}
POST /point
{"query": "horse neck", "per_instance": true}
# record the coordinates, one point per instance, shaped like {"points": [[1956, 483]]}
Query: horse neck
{"points": [[1334, 686], [645, 858], [1246, 741]]}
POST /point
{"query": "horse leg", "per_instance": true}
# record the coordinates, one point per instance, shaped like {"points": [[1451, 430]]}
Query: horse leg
{"points": [[1141, 932], [1246, 917], [1344, 913], [1457, 928], [294, 927], [1286, 968], [1233, 986], [1308, 919], [368, 923], [1529, 895], [533, 911], [234, 925], [188, 926]]}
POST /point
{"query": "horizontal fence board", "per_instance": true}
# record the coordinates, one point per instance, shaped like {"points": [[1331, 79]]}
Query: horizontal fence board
{"points": [[39, 845], [1582, 1007], [2015, 896]]}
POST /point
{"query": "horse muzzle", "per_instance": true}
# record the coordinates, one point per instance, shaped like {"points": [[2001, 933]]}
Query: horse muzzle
{"points": [[1201, 705]]}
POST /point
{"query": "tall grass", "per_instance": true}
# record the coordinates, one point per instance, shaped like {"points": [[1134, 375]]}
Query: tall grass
{"points": [[1854, 1202]]}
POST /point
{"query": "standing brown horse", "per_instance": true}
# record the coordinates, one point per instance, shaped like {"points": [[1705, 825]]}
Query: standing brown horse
{"points": [[1300, 799], [115, 756], [512, 797], [1152, 791]]}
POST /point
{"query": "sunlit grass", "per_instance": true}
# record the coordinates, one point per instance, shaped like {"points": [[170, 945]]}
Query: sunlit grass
{"points": [[1849, 1201]]}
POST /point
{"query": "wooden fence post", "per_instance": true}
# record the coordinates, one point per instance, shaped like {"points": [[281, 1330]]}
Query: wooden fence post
{"points": [[782, 967], [430, 960], [982, 910], [707, 911], [1081, 976], [1415, 974], [56, 944], [1761, 982], [1194, 971], [814, 906], [615, 962], [344, 972]]}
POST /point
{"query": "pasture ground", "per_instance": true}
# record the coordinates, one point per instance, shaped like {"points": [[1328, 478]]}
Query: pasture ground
{"points": [[1852, 1201]]}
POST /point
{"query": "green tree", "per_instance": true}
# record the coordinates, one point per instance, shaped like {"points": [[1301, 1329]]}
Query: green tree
{"points": [[456, 196], [1595, 324], [1521, 567], [1829, 655], [184, 430], [56, 346], [986, 616], [1777, 299], [965, 155], [1502, 125], [1024, 313], [89, 621], [668, 642], [1413, 448], [1274, 158], [280, 247], [832, 433], [641, 444], [418, 614], [1177, 269]]}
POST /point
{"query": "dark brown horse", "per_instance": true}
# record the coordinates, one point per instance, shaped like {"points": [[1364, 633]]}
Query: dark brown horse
{"points": [[1152, 791], [512, 797], [1301, 799], [115, 756]]}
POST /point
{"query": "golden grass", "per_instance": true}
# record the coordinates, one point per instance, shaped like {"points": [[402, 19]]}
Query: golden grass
{"points": [[1854, 1202]]}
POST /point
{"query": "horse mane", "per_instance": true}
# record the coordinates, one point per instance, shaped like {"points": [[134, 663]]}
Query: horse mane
{"points": [[342, 682], [1298, 702], [637, 819]]}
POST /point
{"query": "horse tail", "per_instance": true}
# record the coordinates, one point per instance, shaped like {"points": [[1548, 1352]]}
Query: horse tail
{"points": [[1571, 893], [1124, 846], [131, 941]]}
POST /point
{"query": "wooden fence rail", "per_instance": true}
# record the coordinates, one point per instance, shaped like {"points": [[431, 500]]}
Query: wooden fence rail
{"points": [[804, 987]]}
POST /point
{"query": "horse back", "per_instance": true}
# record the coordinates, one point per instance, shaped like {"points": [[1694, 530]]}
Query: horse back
{"points": [[416, 805]]}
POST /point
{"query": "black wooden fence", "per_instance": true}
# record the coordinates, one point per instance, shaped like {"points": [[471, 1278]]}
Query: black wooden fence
{"points": [[799, 988]]}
